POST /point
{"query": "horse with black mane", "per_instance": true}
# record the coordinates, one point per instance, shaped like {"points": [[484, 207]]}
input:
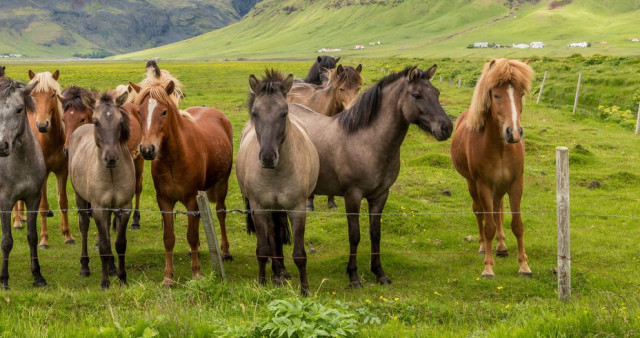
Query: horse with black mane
{"points": [[317, 72]]}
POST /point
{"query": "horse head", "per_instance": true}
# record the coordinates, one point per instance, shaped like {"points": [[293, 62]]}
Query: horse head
{"points": [[269, 109], [346, 83], [77, 108], [420, 104], [111, 128], [47, 107], [156, 106], [14, 102]]}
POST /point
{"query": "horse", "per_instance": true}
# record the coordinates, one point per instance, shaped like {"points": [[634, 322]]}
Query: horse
{"points": [[277, 168], [359, 149], [103, 176], [22, 171], [77, 103], [191, 151], [316, 73], [336, 95], [2, 68], [46, 123], [487, 150]]}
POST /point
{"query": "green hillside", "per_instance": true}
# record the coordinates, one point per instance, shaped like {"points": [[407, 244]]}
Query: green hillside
{"points": [[415, 28]]}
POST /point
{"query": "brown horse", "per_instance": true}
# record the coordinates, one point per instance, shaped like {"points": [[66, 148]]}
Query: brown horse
{"points": [[336, 95], [191, 151], [77, 103], [103, 176], [46, 123], [487, 149], [359, 149], [277, 168]]}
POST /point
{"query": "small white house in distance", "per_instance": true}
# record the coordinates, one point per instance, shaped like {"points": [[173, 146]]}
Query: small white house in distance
{"points": [[582, 44], [480, 45], [537, 44], [520, 45], [329, 50], [358, 47], [634, 40]]}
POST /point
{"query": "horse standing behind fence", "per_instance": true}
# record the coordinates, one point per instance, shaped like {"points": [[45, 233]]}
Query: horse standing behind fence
{"points": [[277, 169], [317, 71], [191, 151], [359, 149], [22, 171], [488, 151], [103, 176]]}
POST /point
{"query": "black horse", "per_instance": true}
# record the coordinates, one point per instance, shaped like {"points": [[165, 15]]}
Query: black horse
{"points": [[317, 74]]}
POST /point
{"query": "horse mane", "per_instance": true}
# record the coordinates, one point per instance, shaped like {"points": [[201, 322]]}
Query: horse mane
{"points": [[365, 109], [158, 92], [8, 86], [46, 82], [163, 81], [349, 75], [318, 67], [496, 73], [110, 101], [120, 89], [270, 83], [73, 98]]}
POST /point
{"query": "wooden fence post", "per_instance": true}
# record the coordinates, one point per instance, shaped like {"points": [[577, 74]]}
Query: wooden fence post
{"points": [[575, 102], [210, 232], [544, 78], [564, 239], [638, 120], [459, 81], [440, 78]]}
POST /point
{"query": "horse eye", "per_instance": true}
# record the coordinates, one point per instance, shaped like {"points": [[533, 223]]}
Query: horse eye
{"points": [[82, 121], [164, 113], [284, 115], [496, 96], [19, 110], [96, 123], [254, 115], [416, 95], [53, 96]]}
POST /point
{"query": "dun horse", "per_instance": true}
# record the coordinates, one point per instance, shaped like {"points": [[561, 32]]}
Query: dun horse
{"points": [[103, 176], [46, 122], [317, 71], [335, 96], [191, 151], [22, 171], [487, 149], [77, 103], [359, 149], [277, 169]]}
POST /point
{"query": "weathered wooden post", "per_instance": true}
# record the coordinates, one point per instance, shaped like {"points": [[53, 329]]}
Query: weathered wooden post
{"points": [[564, 239], [459, 81], [544, 78], [638, 120], [575, 102], [210, 232]]}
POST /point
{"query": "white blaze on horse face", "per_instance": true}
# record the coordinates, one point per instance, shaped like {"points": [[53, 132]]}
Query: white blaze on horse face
{"points": [[152, 106], [514, 110]]}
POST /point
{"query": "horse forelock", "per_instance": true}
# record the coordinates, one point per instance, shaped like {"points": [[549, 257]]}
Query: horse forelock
{"points": [[163, 81], [159, 94], [9, 86], [349, 75], [73, 98], [271, 83], [496, 73]]}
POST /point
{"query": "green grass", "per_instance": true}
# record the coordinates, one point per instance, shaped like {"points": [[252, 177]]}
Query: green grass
{"points": [[436, 290]]}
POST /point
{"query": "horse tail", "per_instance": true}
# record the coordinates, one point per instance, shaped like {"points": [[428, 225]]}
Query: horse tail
{"points": [[251, 227], [282, 228]]}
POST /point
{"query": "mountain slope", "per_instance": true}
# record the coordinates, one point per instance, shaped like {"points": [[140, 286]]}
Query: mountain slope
{"points": [[299, 28]]}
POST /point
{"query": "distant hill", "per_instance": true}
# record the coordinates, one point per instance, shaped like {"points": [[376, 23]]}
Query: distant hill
{"points": [[416, 28], [63, 28]]}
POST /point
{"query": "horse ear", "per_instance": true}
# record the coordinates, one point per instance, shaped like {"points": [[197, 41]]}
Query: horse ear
{"points": [[55, 75], [359, 68], [170, 87], [253, 84], [287, 84], [413, 73], [339, 70], [319, 59], [338, 59], [31, 74], [432, 71], [120, 100], [135, 87], [493, 62]]}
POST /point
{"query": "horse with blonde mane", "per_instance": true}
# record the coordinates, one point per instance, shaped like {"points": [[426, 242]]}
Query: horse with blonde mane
{"points": [[487, 149]]}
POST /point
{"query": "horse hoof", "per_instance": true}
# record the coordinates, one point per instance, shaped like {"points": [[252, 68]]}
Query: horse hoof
{"points": [[135, 226], [332, 206], [49, 213], [384, 280], [18, 225], [70, 241], [197, 275], [525, 274], [105, 285], [227, 257], [285, 274], [39, 283], [310, 207], [502, 254], [4, 286], [488, 276], [355, 284], [43, 246], [304, 292], [168, 282], [124, 283], [85, 272]]}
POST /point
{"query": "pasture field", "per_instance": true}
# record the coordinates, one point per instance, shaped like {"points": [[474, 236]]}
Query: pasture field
{"points": [[436, 290]]}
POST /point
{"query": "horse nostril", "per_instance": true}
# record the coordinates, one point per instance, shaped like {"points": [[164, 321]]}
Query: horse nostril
{"points": [[509, 131], [520, 131], [5, 145]]}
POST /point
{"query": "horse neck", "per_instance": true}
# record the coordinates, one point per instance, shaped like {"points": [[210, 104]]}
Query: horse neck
{"points": [[492, 132], [174, 143], [390, 127]]}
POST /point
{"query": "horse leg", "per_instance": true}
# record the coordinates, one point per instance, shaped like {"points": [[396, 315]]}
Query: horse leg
{"points": [[310, 206], [280, 226], [83, 224], [18, 215], [102, 218], [61, 179], [477, 210], [6, 245], [32, 239], [139, 167], [298, 219], [121, 242], [44, 210], [219, 194], [515, 195], [193, 236], [169, 238], [261, 220], [376, 205], [486, 200], [113, 220], [332, 203], [352, 200], [501, 247]]}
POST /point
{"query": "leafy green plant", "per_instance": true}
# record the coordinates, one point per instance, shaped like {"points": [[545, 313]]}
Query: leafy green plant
{"points": [[618, 115]]}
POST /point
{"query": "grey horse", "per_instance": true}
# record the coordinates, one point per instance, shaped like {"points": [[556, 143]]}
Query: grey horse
{"points": [[22, 171]]}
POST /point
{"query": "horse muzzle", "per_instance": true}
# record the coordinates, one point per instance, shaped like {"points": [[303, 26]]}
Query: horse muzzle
{"points": [[43, 127], [148, 152], [442, 130], [268, 160], [510, 137], [5, 149]]}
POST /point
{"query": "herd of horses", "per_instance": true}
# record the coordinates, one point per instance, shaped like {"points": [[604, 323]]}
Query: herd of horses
{"points": [[317, 136]]}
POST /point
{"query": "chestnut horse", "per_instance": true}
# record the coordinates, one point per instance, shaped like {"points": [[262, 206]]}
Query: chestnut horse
{"points": [[77, 103], [339, 92], [46, 123], [359, 149], [487, 149], [191, 151]]}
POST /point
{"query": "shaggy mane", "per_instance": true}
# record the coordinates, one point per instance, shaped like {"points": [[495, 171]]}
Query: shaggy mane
{"points": [[46, 82], [73, 98], [8, 86], [270, 83], [158, 92]]}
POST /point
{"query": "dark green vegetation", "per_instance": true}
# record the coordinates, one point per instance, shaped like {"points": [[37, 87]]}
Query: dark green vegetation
{"points": [[415, 28], [99, 28], [436, 290]]}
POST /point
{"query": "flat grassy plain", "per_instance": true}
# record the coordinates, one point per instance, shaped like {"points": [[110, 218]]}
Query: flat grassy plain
{"points": [[436, 290]]}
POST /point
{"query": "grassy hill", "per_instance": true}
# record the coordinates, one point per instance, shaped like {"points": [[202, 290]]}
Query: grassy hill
{"points": [[415, 28]]}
